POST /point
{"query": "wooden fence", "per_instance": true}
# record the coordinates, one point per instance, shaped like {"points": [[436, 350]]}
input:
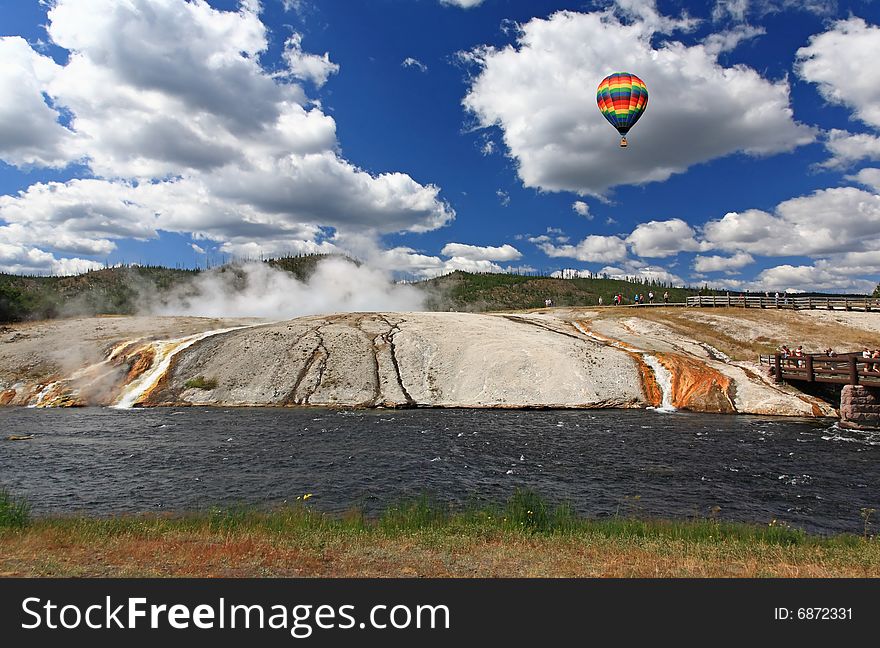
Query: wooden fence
{"points": [[844, 369], [867, 304]]}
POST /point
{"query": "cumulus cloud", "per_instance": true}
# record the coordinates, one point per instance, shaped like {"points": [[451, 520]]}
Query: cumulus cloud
{"points": [[662, 238], [828, 221], [582, 209], [593, 248], [540, 92], [30, 132], [189, 134], [24, 260], [841, 62], [804, 278], [641, 271], [848, 148], [721, 263], [475, 252], [868, 177], [306, 66]]}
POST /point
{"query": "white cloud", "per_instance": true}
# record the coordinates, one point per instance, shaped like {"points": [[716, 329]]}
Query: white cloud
{"points": [[811, 279], [721, 263], [594, 248], [847, 148], [662, 238], [475, 252], [868, 177], [734, 9], [503, 197], [637, 270], [571, 273], [305, 66], [464, 4], [24, 260], [842, 62], [197, 248], [468, 258], [30, 132], [189, 134], [541, 93], [825, 222], [409, 61], [582, 209], [740, 10], [728, 40]]}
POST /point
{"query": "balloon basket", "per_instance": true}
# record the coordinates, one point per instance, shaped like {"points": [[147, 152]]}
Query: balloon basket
{"points": [[623, 142]]}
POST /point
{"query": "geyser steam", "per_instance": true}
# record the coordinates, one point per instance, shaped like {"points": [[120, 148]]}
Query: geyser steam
{"points": [[258, 290]]}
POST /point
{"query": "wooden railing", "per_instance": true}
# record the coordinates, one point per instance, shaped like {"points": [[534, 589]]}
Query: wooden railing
{"points": [[786, 301], [844, 369]]}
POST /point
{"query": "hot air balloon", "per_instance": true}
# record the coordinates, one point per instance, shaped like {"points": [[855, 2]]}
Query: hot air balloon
{"points": [[622, 98]]}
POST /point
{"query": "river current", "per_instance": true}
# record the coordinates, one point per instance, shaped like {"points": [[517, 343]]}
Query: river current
{"points": [[101, 461]]}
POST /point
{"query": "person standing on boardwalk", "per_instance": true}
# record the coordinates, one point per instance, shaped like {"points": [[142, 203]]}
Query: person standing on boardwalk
{"points": [[651, 297], [666, 297]]}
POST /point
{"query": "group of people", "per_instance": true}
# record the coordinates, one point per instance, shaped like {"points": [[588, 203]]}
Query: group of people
{"points": [[795, 358], [638, 298], [867, 354]]}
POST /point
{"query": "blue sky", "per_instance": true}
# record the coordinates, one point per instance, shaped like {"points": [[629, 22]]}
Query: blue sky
{"points": [[426, 136]]}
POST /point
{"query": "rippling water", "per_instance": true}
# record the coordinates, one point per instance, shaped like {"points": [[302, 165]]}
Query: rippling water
{"points": [[604, 462]]}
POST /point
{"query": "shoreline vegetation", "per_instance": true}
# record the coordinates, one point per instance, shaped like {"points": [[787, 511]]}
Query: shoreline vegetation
{"points": [[525, 537]]}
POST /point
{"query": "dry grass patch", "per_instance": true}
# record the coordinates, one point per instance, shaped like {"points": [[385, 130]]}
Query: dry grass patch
{"points": [[526, 537]]}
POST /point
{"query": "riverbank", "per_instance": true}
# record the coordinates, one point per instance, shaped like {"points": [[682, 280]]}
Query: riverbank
{"points": [[524, 538]]}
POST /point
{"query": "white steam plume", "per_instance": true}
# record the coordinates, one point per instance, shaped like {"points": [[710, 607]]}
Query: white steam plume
{"points": [[258, 290]]}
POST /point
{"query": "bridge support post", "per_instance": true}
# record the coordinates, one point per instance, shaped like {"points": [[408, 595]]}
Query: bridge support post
{"points": [[860, 407], [853, 371], [777, 364]]}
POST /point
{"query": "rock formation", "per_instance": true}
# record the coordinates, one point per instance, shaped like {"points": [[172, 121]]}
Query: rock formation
{"points": [[562, 358]]}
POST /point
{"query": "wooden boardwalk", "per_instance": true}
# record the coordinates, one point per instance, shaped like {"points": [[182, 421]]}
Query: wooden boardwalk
{"points": [[867, 304], [843, 369]]}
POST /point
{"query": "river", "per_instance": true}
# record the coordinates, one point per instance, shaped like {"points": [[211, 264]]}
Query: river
{"points": [[102, 461]]}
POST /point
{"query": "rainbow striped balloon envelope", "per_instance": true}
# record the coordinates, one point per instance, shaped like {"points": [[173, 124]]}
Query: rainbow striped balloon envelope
{"points": [[622, 98]]}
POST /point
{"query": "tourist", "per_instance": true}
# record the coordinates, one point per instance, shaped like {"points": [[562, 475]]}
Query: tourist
{"points": [[799, 353], [876, 356], [786, 355], [776, 299], [600, 300], [651, 297], [666, 297]]}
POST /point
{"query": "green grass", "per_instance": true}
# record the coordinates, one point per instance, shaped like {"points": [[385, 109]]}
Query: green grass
{"points": [[200, 382], [525, 536], [14, 512], [524, 514]]}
